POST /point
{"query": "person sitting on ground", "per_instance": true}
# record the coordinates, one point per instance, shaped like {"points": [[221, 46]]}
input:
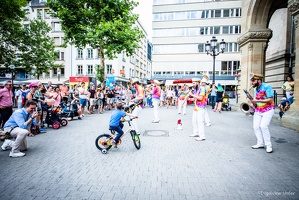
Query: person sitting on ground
{"points": [[116, 119], [283, 106], [18, 126]]}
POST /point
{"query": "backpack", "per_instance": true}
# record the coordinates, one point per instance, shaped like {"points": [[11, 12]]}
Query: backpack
{"points": [[24, 94]]}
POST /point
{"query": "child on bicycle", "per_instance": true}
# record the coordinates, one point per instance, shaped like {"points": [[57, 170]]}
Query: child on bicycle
{"points": [[116, 119]]}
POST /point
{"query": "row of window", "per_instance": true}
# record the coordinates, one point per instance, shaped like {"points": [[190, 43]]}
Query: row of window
{"points": [[197, 14], [162, 2], [210, 30], [228, 68], [191, 48], [109, 70]]}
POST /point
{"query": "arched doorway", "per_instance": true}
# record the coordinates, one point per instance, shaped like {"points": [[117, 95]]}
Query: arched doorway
{"points": [[256, 17]]}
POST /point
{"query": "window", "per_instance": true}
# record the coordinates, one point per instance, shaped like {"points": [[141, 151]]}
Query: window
{"points": [[109, 69], [89, 69], [46, 14], [201, 47], [225, 29], [79, 54], [89, 53], [217, 13], [61, 55], [42, 1], [178, 72], [56, 41], [26, 14], [56, 26], [39, 13], [57, 54], [226, 13], [79, 69]]}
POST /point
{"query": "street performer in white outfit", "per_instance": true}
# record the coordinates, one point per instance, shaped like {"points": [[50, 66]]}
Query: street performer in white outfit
{"points": [[200, 104], [264, 110]]}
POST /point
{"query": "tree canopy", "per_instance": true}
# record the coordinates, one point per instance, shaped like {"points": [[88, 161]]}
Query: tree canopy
{"points": [[37, 53], [106, 25], [11, 31]]}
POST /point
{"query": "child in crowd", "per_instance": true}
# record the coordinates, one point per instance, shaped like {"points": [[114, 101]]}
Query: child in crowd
{"points": [[283, 106], [116, 119]]}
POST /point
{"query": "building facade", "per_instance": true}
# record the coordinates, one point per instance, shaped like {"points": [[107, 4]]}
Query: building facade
{"points": [[83, 62], [180, 30]]}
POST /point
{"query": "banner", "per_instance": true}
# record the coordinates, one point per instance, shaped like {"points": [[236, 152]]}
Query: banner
{"points": [[78, 79], [110, 82]]}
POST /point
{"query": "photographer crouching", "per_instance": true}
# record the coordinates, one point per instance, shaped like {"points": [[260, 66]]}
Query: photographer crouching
{"points": [[18, 126]]}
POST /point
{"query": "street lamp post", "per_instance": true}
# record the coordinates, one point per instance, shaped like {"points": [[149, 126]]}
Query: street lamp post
{"points": [[12, 67], [211, 49]]}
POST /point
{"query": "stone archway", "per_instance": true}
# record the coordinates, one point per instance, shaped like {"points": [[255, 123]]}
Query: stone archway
{"points": [[253, 43]]}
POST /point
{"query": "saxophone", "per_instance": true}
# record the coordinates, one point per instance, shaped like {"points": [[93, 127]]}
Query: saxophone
{"points": [[247, 107]]}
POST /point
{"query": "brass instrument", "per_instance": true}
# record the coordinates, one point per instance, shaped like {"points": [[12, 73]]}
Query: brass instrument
{"points": [[247, 107]]}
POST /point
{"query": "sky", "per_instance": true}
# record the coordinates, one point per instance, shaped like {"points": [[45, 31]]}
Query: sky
{"points": [[144, 9]]}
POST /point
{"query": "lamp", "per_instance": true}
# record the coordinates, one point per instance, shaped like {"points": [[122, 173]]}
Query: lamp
{"points": [[12, 67], [211, 49]]}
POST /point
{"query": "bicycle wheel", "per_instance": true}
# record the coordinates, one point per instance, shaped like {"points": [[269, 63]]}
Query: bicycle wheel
{"points": [[136, 139], [103, 143], [63, 122]]}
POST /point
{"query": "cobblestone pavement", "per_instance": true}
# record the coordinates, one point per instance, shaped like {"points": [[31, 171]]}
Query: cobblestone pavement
{"points": [[65, 164]]}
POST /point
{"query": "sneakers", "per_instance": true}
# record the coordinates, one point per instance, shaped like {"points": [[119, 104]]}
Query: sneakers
{"points": [[200, 139], [79, 118], [155, 121], [43, 130], [16, 154], [208, 124], [194, 135], [114, 144], [257, 147], [5, 145], [269, 149]]}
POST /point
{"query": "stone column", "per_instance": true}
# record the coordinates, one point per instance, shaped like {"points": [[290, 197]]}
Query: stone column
{"points": [[291, 117], [253, 45]]}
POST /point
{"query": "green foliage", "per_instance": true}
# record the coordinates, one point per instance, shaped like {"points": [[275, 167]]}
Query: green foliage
{"points": [[11, 32], [38, 49], [102, 24], [100, 73]]}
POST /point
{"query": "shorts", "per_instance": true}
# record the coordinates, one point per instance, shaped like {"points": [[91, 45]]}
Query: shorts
{"points": [[100, 102], [218, 99], [82, 102], [91, 101], [109, 101]]}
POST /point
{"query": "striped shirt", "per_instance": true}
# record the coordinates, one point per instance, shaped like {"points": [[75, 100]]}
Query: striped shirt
{"points": [[5, 97]]}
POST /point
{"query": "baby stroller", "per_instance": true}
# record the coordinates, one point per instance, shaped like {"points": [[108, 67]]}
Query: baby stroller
{"points": [[70, 110], [54, 119], [225, 103]]}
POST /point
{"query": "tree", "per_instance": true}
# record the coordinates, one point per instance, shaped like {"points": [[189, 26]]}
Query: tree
{"points": [[11, 32], [106, 25], [37, 54]]}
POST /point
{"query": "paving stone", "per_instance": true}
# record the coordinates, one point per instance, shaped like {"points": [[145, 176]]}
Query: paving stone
{"points": [[65, 164]]}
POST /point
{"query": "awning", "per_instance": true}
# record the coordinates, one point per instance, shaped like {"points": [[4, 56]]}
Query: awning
{"points": [[226, 82]]}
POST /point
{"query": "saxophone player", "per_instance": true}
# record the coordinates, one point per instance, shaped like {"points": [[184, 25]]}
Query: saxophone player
{"points": [[264, 110]]}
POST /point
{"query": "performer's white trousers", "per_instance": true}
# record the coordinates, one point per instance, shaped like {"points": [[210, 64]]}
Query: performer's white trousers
{"points": [[156, 104], [198, 123], [261, 123], [180, 106]]}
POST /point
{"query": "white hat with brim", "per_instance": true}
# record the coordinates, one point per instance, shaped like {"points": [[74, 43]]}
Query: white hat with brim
{"points": [[156, 82], [196, 80], [135, 80], [204, 80]]}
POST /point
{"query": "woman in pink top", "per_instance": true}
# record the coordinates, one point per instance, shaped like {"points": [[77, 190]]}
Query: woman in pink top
{"points": [[156, 93], [57, 96]]}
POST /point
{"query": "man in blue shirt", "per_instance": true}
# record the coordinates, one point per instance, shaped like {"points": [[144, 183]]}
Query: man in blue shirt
{"points": [[18, 126]]}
